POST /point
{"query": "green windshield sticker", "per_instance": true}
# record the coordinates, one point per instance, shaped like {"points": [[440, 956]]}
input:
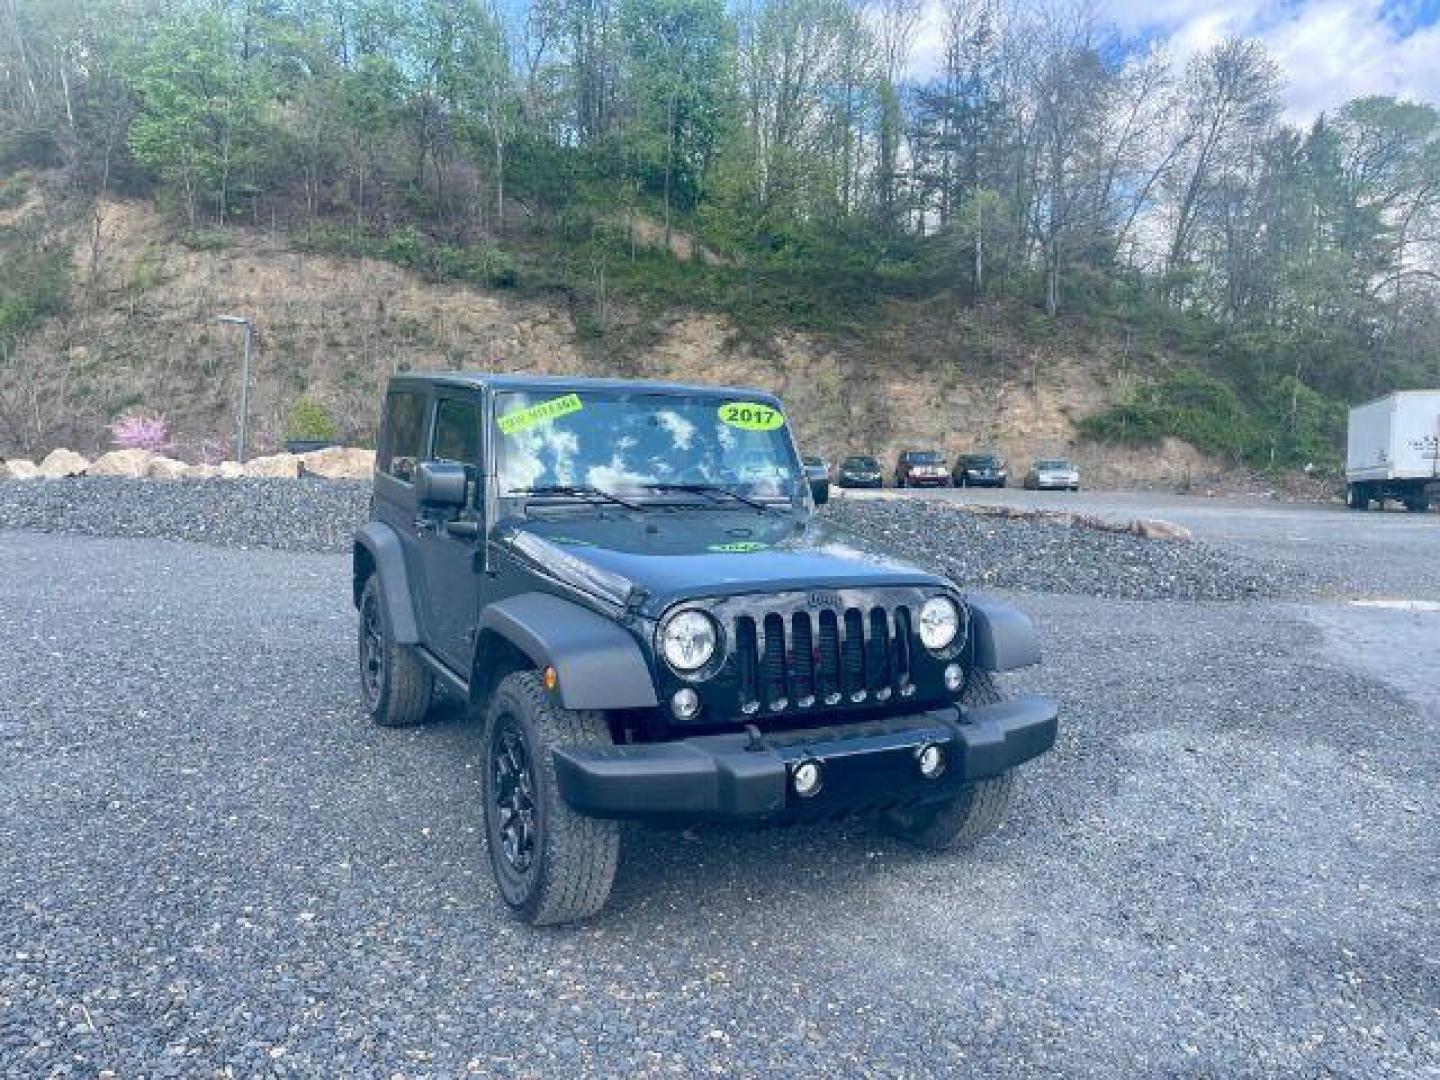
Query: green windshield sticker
{"points": [[739, 546], [535, 415], [751, 416]]}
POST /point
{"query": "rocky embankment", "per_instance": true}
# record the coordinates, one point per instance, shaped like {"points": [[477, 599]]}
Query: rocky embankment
{"points": [[1037, 553]]}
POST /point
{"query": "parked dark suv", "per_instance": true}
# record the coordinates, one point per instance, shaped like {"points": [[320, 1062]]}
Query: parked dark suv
{"points": [[921, 468], [629, 581], [861, 471], [979, 470]]}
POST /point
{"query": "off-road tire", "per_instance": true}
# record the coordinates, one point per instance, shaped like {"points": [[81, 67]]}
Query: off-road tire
{"points": [[398, 689], [1357, 498], [574, 857], [973, 814], [1417, 506]]}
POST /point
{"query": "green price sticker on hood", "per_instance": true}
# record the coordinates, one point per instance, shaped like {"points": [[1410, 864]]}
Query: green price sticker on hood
{"points": [[739, 547], [751, 416], [535, 415]]}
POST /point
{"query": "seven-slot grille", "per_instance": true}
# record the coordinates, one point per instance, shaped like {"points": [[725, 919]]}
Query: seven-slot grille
{"points": [[825, 657]]}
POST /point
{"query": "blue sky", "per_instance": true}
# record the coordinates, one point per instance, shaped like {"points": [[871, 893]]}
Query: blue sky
{"points": [[1329, 50]]}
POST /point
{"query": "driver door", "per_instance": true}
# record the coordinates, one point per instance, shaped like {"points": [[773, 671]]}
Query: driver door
{"points": [[447, 557]]}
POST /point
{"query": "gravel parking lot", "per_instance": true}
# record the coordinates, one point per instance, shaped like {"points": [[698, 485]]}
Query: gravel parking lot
{"points": [[210, 860]]}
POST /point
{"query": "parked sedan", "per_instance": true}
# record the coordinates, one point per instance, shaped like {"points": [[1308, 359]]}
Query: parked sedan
{"points": [[921, 468], [859, 471], [979, 470], [1052, 474], [817, 471]]}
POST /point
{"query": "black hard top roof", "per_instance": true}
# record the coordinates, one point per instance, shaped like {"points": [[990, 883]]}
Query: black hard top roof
{"points": [[521, 381]]}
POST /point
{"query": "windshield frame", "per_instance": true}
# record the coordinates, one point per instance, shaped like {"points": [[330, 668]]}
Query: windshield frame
{"points": [[507, 502]]}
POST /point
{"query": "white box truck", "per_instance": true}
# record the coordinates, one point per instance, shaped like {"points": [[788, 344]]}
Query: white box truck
{"points": [[1393, 450]]}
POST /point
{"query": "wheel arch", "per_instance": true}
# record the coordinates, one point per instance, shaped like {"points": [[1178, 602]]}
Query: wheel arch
{"points": [[377, 552], [1002, 638], [598, 663]]}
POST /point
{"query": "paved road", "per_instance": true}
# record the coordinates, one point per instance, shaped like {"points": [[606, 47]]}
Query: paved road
{"points": [[210, 860], [1391, 554]]}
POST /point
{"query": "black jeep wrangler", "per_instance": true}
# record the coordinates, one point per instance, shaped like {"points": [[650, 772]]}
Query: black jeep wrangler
{"points": [[631, 581]]}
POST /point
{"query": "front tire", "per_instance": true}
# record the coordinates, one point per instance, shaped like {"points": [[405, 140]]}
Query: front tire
{"points": [[1357, 498], [551, 864], [972, 815], [396, 687]]}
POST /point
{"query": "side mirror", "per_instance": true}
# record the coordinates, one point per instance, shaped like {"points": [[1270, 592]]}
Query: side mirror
{"points": [[820, 491], [440, 485]]}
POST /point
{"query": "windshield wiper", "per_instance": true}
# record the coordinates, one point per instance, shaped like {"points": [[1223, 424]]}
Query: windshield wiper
{"points": [[578, 491], [710, 490]]}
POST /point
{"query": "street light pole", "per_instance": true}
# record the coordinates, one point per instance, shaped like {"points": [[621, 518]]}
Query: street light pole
{"points": [[240, 320]]}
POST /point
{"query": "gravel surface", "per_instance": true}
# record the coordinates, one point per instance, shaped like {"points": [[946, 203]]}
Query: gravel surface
{"points": [[292, 515], [210, 860], [977, 551], [1033, 555]]}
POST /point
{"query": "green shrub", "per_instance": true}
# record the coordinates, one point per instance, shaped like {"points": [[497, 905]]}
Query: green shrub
{"points": [[29, 149], [309, 420], [13, 191], [1286, 423], [207, 239], [477, 265]]}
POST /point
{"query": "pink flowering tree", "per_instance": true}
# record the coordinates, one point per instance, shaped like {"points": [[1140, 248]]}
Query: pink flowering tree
{"points": [[141, 433]]}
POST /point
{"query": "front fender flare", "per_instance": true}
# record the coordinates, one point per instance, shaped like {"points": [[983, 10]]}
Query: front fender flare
{"points": [[1001, 638], [378, 550], [598, 664]]}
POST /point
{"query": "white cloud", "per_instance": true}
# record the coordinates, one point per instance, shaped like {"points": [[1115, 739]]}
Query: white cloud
{"points": [[1329, 51]]}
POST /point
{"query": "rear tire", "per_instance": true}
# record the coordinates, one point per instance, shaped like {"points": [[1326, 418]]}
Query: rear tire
{"points": [[396, 687], [551, 864], [973, 814], [1417, 506]]}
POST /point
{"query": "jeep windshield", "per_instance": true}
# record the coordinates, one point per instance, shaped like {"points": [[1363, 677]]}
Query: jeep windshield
{"points": [[924, 457], [644, 447]]}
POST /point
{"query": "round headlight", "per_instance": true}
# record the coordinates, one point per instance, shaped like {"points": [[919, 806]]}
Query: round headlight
{"points": [[939, 622], [689, 640]]}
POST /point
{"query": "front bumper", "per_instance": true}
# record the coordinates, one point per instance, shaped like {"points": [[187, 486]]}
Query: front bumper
{"points": [[927, 481], [865, 765], [861, 481]]}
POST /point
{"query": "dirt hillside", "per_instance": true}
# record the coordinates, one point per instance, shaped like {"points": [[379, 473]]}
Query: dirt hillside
{"points": [[141, 336]]}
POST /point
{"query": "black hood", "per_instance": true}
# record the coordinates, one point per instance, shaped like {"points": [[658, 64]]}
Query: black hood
{"points": [[674, 554]]}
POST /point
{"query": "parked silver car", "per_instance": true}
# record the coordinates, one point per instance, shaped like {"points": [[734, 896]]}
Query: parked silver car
{"points": [[1052, 474]]}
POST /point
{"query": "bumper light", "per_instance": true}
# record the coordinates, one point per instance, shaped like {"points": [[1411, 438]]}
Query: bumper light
{"points": [[954, 677], [931, 761], [685, 704], [805, 778]]}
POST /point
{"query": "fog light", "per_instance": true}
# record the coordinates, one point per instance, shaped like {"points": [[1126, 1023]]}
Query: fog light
{"points": [[685, 704], [954, 677], [806, 779], [932, 762]]}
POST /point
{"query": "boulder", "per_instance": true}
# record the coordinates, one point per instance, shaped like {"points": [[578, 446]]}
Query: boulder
{"points": [[165, 468], [1152, 529], [200, 472], [284, 466], [19, 469], [132, 464], [60, 463], [339, 463], [231, 470]]}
